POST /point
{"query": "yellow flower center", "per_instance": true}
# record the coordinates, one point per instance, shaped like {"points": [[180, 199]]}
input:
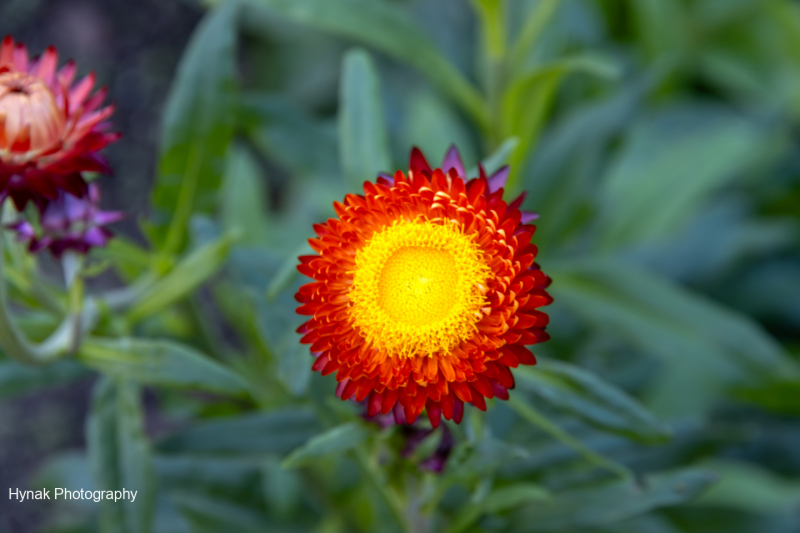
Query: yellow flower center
{"points": [[417, 288]]}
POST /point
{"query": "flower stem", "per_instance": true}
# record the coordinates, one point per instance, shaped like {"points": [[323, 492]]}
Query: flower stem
{"points": [[14, 342], [389, 495]]}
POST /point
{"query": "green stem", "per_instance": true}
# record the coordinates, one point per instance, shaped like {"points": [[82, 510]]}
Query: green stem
{"points": [[14, 341], [536, 418], [389, 495]]}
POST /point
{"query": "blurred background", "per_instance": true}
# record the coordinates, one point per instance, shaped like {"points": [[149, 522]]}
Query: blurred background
{"points": [[658, 139]]}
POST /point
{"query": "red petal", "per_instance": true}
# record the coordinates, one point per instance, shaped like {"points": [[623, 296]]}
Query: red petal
{"points": [[417, 160], [434, 413]]}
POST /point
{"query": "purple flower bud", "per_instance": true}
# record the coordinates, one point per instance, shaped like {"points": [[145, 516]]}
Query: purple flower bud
{"points": [[69, 223]]}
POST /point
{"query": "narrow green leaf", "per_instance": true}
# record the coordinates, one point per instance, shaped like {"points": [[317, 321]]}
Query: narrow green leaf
{"points": [[389, 29], [508, 497], [276, 432], [780, 395], [287, 271], [493, 24], [282, 488], [243, 198], [663, 26], [197, 125], [528, 413], [597, 506], [363, 143], [161, 363], [670, 165], [496, 159], [283, 131], [748, 487], [119, 456], [535, 23], [431, 123], [18, 379], [593, 400], [527, 102], [211, 515], [705, 347], [336, 440], [499, 500], [128, 258], [184, 278], [233, 477]]}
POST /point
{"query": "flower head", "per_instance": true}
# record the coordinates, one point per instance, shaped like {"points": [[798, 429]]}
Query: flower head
{"points": [[69, 223], [50, 128], [425, 292]]}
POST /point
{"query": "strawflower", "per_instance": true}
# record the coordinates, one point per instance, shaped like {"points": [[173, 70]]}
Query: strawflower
{"points": [[50, 128], [425, 292]]}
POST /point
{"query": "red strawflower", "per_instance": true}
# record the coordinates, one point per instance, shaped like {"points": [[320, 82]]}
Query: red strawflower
{"points": [[50, 128], [425, 292]]}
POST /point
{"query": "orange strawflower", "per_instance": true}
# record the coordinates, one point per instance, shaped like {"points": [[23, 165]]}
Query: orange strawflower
{"points": [[425, 293], [50, 129]]}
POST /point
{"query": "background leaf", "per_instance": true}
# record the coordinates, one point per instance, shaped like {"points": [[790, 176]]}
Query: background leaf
{"points": [[244, 199], [588, 397], [363, 144], [162, 363], [197, 125], [120, 456], [385, 27], [276, 432], [610, 503], [338, 439], [187, 275]]}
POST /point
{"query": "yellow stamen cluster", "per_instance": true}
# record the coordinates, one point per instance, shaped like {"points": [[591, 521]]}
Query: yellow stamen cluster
{"points": [[416, 288]]}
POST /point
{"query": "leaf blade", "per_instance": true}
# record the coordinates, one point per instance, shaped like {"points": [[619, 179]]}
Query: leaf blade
{"points": [[197, 125], [161, 363], [363, 143]]}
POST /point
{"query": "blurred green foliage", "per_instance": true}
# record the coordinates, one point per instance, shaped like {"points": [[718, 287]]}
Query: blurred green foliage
{"points": [[657, 138]]}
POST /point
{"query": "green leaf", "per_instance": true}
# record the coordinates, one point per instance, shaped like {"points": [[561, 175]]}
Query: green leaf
{"points": [[119, 456], [276, 432], [529, 99], [363, 143], [243, 198], [663, 27], [671, 164], [585, 395], [561, 186], [129, 259], [161, 363], [496, 159], [500, 499], [18, 379], [335, 440], [210, 515], [287, 271], [184, 278], [197, 125], [233, 478], [750, 488], [592, 507], [389, 29], [283, 131], [431, 123], [780, 395], [532, 416], [705, 347], [282, 488], [534, 25], [493, 25]]}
